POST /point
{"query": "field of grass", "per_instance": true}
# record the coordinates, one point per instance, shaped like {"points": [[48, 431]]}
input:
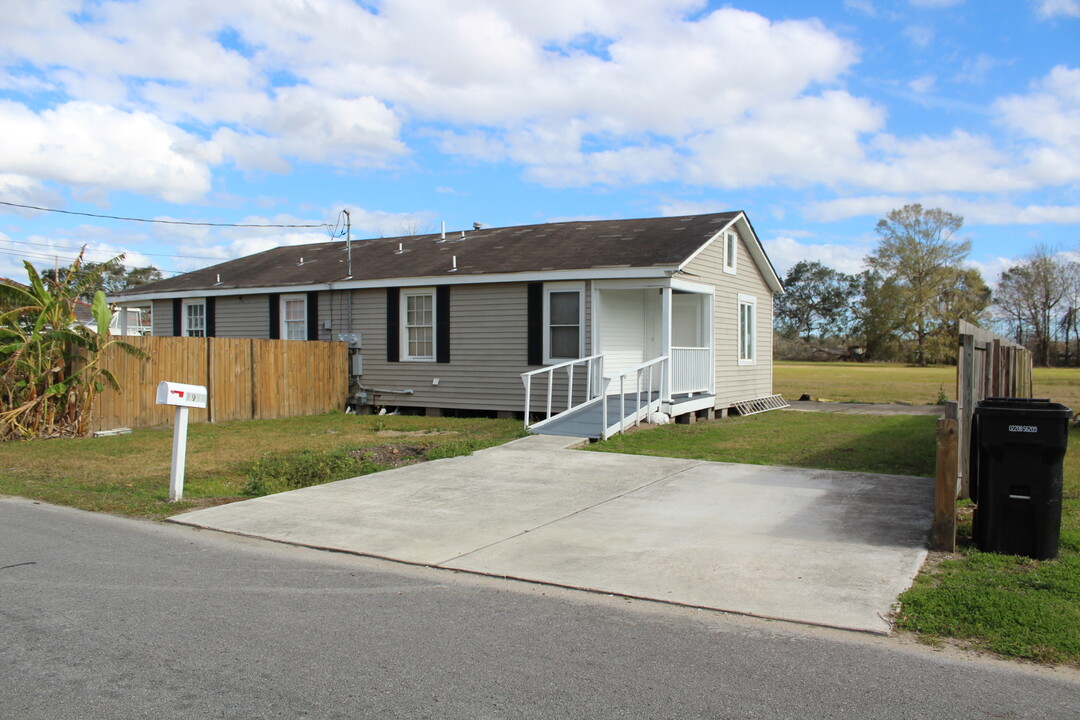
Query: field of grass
{"points": [[129, 474], [894, 382], [899, 445]]}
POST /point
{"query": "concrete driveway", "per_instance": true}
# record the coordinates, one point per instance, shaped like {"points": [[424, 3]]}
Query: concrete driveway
{"points": [[812, 546]]}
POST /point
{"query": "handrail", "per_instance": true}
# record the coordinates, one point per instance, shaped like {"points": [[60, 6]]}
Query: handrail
{"points": [[647, 368], [591, 362], [691, 370]]}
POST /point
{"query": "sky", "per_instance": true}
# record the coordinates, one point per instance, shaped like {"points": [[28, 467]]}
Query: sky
{"points": [[815, 118]]}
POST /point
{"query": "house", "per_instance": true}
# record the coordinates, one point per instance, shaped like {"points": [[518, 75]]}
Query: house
{"points": [[125, 321], [471, 320]]}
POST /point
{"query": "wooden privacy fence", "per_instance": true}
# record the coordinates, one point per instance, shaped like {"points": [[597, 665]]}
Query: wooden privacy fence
{"points": [[245, 379], [987, 365]]}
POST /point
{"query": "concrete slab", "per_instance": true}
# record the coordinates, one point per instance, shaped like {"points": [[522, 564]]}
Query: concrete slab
{"points": [[818, 547], [810, 546]]}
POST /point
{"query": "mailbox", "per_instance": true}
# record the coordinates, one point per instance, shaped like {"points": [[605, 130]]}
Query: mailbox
{"points": [[181, 395]]}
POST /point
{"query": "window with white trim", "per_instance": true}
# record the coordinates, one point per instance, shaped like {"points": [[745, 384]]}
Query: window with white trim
{"points": [[747, 341], [294, 317], [418, 324], [731, 252], [564, 322], [194, 318]]}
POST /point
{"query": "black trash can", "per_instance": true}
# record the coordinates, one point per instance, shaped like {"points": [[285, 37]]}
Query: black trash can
{"points": [[1017, 449]]}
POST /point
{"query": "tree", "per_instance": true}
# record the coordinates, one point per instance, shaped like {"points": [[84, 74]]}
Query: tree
{"points": [[50, 366], [917, 258], [1029, 295], [109, 276], [816, 301]]}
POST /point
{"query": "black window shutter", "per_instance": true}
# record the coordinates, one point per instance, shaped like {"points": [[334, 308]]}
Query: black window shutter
{"points": [[211, 317], [177, 317], [313, 316], [275, 316], [393, 324], [442, 324], [535, 321]]}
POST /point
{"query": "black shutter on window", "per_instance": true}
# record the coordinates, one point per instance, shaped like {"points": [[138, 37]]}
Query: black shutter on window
{"points": [[442, 324], [177, 317], [535, 321], [313, 316], [275, 316], [211, 315], [393, 324]]}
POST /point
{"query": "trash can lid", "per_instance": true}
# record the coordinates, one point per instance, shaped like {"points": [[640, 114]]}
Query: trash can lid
{"points": [[1027, 406]]}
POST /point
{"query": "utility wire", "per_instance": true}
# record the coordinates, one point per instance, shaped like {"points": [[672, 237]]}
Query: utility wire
{"points": [[69, 247], [163, 222]]}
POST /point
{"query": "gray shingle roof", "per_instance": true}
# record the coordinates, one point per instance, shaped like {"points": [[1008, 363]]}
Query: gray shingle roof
{"points": [[641, 243]]}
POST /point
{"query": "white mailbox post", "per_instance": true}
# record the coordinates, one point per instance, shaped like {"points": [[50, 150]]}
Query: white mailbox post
{"points": [[183, 397]]}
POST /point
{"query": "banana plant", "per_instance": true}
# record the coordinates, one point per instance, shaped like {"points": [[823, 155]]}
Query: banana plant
{"points": [[50, 365]]}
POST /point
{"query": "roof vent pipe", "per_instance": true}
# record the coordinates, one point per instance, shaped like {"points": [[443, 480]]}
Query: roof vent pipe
{"points": [[400, 249], [443, 238], [301, 261], [454, 259], [477, 226]]}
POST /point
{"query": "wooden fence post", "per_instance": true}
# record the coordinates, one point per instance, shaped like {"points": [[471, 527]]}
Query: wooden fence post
{"points": [[943, 532]]}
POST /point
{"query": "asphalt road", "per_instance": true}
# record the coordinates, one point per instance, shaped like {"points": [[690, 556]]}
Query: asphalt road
{"points": [[102, 617]]}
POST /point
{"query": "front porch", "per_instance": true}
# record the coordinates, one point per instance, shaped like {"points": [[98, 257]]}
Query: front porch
{"points": [[652, 351]]}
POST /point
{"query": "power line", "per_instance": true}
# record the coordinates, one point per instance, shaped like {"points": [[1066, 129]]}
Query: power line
{"points": [[163, 222], [37, 257], [149, 254]]}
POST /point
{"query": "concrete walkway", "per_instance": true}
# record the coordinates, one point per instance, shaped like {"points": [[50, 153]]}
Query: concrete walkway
{"points": [[812, 546]]}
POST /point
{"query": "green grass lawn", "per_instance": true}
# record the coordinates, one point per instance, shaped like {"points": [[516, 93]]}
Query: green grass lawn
{"points": [[898, 445], [1009, 605], [129, 474], [894, 382]]}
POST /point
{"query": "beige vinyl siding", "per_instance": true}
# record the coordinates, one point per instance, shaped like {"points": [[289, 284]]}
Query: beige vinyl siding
{"points": [[736, 382], [242, 316], [488, 350]]}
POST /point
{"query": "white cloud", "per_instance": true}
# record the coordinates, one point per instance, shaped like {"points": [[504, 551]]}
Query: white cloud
{"points": [[920, 35], [1050, 117], [922, 85], [785, 252], [93, 145], [974, 212], [575, 92], [1046, 9]]}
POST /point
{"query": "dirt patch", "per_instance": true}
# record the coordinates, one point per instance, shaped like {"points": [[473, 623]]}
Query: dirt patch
{"points": [[392, 455], [415, 433]]}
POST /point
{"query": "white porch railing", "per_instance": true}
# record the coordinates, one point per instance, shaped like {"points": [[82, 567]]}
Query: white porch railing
{"points": [[690, 370], [631, 383], [594, 371]]}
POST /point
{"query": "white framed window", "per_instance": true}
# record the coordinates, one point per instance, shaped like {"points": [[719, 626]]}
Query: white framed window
{"points": [[418, 324], [731, 252], [294, 317], [747, 335], [564, 322], [194, 316]]}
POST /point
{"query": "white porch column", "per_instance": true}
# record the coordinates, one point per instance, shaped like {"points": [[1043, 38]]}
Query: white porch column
{"points": [[665, 342]]}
